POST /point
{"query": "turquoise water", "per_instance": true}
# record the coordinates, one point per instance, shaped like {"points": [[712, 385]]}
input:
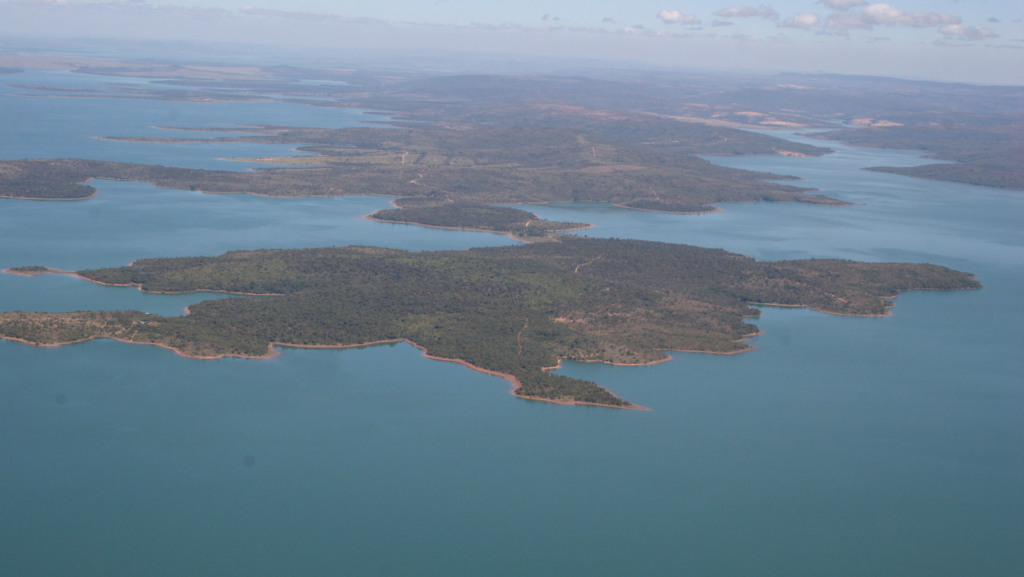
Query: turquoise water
{"points": [[39, 123], [840, 446], [127, 221]]}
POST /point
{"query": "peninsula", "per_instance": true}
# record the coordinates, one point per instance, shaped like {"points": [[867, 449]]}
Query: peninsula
{"points": [[444, 176]]}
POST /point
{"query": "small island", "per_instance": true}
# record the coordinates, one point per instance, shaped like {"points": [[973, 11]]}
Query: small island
{"points": [[513, 311], [30, 270], [519, 224]]}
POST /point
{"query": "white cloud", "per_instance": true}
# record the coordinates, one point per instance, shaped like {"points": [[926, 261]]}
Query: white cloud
{"points": [[805, 21], [37, 2], [842, 4], [883, 14], [720, 23], [676, 17], [967, 32], [763, 11], [272, 14], [888, 14], [844, 22], [929, 19], [637, 29]]}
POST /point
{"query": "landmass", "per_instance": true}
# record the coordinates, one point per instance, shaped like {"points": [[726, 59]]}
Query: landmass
{"points": [[448, 146], [513, 311], [625, 137], [30, 270], [983, 150], [519, 224], [438, 166], [454, 150]]}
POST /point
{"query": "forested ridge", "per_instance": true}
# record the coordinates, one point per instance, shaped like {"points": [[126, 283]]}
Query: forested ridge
{"points": [[440, 165], [511, 310], [453, 145]]}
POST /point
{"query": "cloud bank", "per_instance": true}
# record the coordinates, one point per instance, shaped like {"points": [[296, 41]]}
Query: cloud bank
{"points": [[849, 15], [804, 21], [842, 4], [762, 11], [676, 17], [967, 32]]}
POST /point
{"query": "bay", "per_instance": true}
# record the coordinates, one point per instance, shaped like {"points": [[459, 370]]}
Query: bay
{"points": [[839, 446], [127, 221], [71, 122]]}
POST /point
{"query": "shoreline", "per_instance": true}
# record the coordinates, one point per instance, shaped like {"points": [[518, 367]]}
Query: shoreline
{"points": [[134, 284], [668, 357], [91, 195], [20, 273], [271, 347], [887, 313], [273, 352], [47, 270]]}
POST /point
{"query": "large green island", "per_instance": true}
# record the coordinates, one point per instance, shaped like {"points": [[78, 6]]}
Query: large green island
{"points": [[513, 311], [453, 151]]}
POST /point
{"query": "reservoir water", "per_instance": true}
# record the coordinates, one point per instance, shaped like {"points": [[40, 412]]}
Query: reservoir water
{"points": [[840, 446]]}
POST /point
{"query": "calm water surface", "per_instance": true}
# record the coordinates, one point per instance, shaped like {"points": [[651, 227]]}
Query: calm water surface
{"points": [[40, 123], [841, 446]]}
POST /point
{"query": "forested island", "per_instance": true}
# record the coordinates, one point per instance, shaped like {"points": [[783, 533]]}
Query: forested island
{"points": [[518, 224], [513, 311]]}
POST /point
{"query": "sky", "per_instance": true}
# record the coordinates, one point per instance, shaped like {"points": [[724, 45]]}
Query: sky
{"points": [[978, 41]]}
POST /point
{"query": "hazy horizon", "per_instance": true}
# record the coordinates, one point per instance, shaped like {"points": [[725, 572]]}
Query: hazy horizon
{"points": [[981, 43]]}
